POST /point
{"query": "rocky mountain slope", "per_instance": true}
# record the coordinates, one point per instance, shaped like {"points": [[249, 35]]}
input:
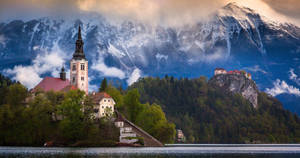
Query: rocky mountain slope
{"points": [[237, 84], [235, 37]]}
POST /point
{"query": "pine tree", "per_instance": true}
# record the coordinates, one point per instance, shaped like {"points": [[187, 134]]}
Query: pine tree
{"points": [[103, 86]]}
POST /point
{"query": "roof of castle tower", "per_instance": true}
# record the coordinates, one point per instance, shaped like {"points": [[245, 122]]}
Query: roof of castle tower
{"points": [[53, 84]]}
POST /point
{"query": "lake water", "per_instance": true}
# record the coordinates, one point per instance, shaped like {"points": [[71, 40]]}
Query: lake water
{"points": [[171, 151]]}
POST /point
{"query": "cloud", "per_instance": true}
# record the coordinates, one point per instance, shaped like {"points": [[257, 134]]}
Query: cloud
{"points": [[93, 88], [289, 7], [107, 71], [162, 12], [135, 75], [281, 87], [30, 76], [153, 11], [27, 75], [2, 40], [294, 77], [255, 68]]}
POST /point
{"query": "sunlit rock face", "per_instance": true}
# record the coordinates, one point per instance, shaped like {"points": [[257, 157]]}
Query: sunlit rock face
{"points": [[237, 84]]}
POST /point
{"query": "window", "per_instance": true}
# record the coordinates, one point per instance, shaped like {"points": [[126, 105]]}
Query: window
{"points": [[102, 107], [74, 67], [82, 78], [82, 66], [96, 110], [74, 80], [108, 100], [104, 100]]}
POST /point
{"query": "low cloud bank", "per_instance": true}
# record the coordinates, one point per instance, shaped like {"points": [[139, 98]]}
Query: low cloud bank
{"points": [[281, 87]]}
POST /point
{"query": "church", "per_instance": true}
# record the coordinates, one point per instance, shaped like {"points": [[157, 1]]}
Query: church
{"points": [[78, 73], [78, 80]]}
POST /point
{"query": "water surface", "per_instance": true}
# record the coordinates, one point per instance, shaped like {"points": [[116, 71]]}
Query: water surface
{"points": [[170, 151]]}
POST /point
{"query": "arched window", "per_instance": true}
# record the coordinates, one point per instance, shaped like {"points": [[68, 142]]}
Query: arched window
{"points": [[82, 67]]}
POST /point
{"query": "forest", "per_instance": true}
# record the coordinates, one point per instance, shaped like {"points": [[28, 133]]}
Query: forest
{"points": [[208, 114], [32, 119], [205, 113]]}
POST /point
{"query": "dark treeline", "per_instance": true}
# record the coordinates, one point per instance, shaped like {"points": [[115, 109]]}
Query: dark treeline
{"points": [[210, 115]]}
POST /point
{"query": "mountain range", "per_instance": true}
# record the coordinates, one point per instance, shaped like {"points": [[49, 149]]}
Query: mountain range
{"points": [[234, 37]]}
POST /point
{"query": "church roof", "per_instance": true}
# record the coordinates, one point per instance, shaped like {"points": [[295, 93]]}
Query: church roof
{"points": [[97, 97], [54, 84]]}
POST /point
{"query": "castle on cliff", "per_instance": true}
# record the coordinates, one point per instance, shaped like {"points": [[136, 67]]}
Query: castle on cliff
{"points": [[221, 71]]}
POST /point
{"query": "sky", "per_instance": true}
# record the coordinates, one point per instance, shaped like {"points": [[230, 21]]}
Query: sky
{"points": [[153, 11]]}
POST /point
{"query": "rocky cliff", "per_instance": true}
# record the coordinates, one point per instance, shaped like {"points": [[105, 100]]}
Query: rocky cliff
{"points": [[237, 84]]}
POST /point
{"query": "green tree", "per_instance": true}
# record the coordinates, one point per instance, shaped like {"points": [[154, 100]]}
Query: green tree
{"points": [[117, 96], [103, 85], [133, 105], [16, 95], [71, 109], [153, 120]]}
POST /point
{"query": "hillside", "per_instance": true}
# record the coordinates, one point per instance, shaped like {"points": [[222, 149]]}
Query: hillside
{"points": [[209, 114]]}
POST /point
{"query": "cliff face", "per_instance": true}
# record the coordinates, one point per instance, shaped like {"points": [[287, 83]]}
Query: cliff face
{"points": [[237, 84]]}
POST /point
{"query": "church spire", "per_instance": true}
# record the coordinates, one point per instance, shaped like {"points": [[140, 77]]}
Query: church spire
{"points": [[79, 33], [79, 54]]}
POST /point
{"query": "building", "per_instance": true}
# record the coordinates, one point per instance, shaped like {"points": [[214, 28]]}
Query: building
{"points": [[79, 66], [132, 134], [104, 104], [249, 76], [125, 132], [78, 73], [54, 84], [180, 136], [222, 71], [219, 71]]}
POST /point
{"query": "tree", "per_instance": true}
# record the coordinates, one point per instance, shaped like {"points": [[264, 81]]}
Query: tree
{"points": [[103, 86], [16, 95], [133, 105], [72, 126], [153, 120], [116, 95]]}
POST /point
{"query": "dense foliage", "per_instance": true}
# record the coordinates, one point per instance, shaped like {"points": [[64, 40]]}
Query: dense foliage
{"points": [[27, 120], [67, 118], [4, 83], [150, 118], [210, 115]]}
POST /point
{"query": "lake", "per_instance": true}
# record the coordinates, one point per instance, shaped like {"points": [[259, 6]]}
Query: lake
{"points": [[170, 151]]}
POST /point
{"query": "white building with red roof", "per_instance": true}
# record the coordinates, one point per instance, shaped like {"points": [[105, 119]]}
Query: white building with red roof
{"points": [[104, 104]]}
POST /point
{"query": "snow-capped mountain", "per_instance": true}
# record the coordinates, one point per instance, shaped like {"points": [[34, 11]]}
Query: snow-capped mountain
{"points": [[235, 37]]}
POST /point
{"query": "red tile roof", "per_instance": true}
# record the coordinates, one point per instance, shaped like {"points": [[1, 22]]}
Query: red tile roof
{"points": [[97, 97], [68, 88], [51, 83]]}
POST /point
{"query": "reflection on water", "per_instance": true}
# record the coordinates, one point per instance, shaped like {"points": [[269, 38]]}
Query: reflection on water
{"points": [[173, 151]]}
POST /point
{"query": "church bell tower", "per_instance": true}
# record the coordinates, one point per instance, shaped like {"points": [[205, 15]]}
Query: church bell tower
{"points": [[79, 66]]}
